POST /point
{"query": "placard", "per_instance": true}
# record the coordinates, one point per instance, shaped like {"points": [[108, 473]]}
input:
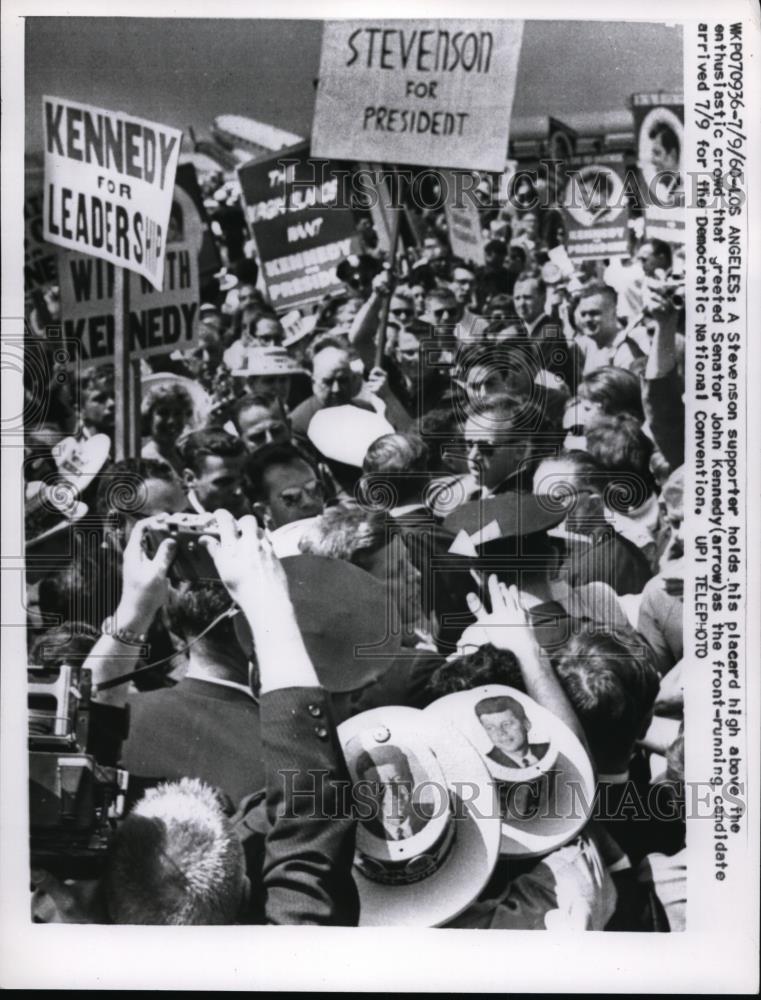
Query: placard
{"points": [[109, 179], [301, 231], [421, 92], [596, 207], [159, 321], [659, 127]]}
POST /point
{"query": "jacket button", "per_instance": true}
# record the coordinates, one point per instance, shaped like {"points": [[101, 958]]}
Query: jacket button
{"points": [[321, 732], [314, 710]]}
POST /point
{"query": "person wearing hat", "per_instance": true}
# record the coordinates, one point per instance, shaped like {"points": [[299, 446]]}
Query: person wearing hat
{"points": [[269, 370]]}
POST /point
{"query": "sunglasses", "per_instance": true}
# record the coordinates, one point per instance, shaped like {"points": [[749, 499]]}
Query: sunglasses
{"points": [[485, 448], [401, 312]]}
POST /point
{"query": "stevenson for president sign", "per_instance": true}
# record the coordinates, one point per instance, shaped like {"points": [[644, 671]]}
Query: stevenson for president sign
{"points": [[429, 93], [109, 179]]}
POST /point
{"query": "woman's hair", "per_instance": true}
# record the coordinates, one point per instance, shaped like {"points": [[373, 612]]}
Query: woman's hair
{"points": [[175, 396], [615, 390], [612, 685]]}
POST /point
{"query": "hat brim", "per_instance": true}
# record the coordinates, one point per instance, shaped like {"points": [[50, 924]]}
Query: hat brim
{"points": [[198, 396], [91, 454], [471, 860], [343, 661]]}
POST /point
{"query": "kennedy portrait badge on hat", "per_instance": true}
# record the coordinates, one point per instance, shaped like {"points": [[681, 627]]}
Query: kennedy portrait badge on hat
{"points": [[541, 771], [429, 825]]}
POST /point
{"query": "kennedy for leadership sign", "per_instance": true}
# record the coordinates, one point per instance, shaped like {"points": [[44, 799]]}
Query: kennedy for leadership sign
{"points": [[426, 93], [159, 321], [109, 179], [300, 229]]}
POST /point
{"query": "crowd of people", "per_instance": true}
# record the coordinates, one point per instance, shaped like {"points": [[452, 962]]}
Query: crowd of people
{"points": [[449, 487]]}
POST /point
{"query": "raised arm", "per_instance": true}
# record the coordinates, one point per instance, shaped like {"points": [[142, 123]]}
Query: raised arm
{"points": [[507, 627], [144, 591], [309, 847]]}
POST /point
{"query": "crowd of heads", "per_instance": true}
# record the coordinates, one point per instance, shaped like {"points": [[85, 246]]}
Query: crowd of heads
{"points": [[487, 382]]}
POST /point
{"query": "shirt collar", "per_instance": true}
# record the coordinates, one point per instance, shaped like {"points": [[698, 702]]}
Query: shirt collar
{"points": [[196, 674]]}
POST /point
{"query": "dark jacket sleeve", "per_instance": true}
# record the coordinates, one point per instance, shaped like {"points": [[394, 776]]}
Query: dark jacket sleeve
{"points": [[309, 848], [664, 412]]}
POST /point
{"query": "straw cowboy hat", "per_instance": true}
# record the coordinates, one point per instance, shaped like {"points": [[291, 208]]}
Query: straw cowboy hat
{"points": [[450, 836], [547, 800]]}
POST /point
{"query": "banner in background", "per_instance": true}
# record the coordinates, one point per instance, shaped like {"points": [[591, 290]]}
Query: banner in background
{"points": [[595, 206], [425, 93], [463, 221], [159, 321], [109, 179], [300, 233], [40, 258], [659, 128]]}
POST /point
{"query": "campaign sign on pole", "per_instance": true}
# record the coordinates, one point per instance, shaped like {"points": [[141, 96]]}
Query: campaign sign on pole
{"points": [[659, 127], [463, 220], [426, 93], [159, 321], [109, 179], [595, 206], [301, 232]]}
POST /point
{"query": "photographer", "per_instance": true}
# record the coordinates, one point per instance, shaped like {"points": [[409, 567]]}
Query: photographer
{"points": [[160, 870]]}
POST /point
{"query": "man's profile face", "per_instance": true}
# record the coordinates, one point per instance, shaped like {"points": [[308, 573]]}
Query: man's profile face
{"points": [[334, 382], [392, 791], [98, 407], [507, 731], [492, 457], [661, 158], [218, 484], [650, 261], [293, 492], [527, 300]]}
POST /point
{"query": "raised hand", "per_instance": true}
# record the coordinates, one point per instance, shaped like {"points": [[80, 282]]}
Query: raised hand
{"points": [[145, 587], [506, 626]]}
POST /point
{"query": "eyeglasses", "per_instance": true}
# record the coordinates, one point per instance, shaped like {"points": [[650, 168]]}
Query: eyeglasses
{"points": [[294, 496], [484, 448], [342, 380], [401, 312], [447, 311]]}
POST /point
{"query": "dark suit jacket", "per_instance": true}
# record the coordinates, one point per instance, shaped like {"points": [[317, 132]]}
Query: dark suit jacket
{"points": [[299, 841], [537, 749], [197, 730]]}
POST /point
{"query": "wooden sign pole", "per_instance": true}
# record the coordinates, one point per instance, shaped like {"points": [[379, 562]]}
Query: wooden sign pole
{"points": [[380, 343], [122, 373]]}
